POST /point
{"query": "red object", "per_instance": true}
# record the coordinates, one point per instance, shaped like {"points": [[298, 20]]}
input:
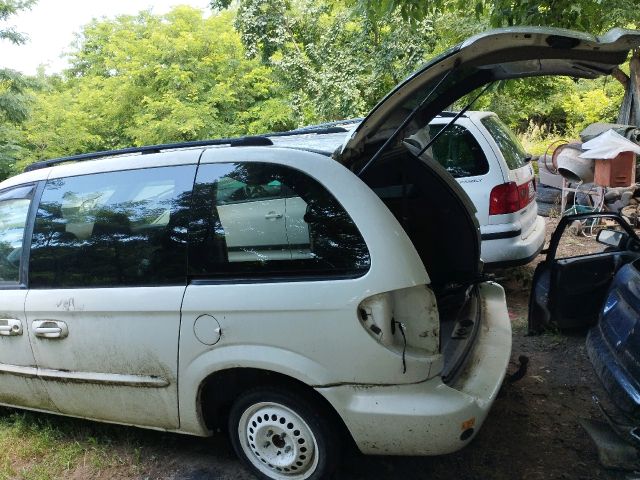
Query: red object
{"points": [[510, 197], [619, 171]]}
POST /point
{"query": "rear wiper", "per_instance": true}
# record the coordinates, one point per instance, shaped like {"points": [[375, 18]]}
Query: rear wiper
{"points": [[454, 119]]}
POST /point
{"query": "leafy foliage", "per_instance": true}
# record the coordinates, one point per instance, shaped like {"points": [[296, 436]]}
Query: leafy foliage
{"points": [[334, 61], [150, 79], [13, 91], [266, 65], [7, 9]]}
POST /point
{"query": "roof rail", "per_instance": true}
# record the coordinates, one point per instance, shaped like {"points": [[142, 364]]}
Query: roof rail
{"points": [[449, 114], [319, 129], [233, 142]]}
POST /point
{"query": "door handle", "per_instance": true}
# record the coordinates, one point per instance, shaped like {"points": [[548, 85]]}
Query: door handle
{"points": [[273, 215], [10, 327], [50, 329]]}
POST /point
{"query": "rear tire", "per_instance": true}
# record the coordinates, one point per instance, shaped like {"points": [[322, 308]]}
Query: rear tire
{"points": [[282, 434]]}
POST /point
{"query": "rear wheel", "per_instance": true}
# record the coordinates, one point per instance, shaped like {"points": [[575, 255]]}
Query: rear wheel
{"points": [[283, 435]]}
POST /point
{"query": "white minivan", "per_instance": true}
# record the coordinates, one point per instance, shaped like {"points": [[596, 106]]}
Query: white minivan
{"points": [[178, 287], [486, 159]]}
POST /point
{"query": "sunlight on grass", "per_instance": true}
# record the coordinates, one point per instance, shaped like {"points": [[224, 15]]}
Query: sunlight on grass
{"points": [[42, 447]]}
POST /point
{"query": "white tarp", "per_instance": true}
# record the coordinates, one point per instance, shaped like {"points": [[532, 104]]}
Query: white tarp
{"points": [[608, 145]]}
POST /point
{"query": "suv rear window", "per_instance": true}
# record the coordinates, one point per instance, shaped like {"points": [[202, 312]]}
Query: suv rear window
{"points": [[508, 143], [458, 152], [255, 220]]}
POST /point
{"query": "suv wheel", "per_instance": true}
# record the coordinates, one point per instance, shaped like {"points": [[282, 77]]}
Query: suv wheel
{"points": [[283, 435]]}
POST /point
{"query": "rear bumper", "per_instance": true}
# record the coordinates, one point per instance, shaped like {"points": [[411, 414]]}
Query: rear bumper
{"points": [[431, 418], [623, 389], [516, 250]]}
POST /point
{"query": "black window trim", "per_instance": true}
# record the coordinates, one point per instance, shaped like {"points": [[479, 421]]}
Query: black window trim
{"points": [[270, 278]]}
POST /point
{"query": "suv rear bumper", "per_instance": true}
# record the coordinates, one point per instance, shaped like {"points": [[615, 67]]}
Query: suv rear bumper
{"points": [[516, 250], [431, 418]]}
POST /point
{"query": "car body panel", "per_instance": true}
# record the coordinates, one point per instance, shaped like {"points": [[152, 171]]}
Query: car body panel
{"points": [[613, 344], [20, 384], [119, 360], [257, 326], [377, 416]]}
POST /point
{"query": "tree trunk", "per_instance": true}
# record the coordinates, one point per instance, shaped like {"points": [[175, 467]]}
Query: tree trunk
{"points": [[630, 108]]}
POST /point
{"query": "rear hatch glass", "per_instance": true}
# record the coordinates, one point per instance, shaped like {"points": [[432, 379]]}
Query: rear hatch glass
{"points": [[513, 153]]}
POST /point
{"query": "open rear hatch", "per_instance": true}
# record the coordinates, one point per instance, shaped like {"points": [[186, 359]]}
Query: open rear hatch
{"points": [[435, 212]]}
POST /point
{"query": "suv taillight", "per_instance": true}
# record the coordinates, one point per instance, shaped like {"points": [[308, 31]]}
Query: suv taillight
{"points": [[510, 197]]}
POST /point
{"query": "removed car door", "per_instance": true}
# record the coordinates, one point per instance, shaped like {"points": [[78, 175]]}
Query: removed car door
{"points": [[569, 290]]}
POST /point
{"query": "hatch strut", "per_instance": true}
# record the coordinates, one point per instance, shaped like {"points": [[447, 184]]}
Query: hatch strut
{"points": [[454, 119], [404, 124]]}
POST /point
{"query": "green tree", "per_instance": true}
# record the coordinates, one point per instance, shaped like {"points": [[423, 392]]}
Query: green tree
{"points": [[148, 79], [592, 16], [334, 61], [13, 87], [9, 8]]}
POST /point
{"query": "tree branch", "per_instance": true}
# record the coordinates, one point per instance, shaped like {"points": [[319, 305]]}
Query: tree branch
{"points": [[620, 76]]}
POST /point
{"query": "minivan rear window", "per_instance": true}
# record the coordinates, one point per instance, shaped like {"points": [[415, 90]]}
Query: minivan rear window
{"points": [[261, 220], [513, 153]]}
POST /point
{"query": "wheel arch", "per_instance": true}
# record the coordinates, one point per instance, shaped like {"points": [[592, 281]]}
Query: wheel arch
{"points": [[220, 389]]}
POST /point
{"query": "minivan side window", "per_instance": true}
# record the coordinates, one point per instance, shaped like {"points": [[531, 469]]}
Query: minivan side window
{"points": [[14, 210], [125, 228], [262, 220], [458, 151]]}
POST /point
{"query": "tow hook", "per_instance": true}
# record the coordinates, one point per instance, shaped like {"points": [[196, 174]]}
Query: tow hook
{"points": [[522, 369]]}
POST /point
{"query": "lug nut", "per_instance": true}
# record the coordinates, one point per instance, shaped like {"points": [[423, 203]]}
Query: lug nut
{"points": [[287, 449], [269, 433], [266, 444]]}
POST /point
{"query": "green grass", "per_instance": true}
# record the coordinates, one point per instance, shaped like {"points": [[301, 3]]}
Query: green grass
{"points": [[43, 447]]}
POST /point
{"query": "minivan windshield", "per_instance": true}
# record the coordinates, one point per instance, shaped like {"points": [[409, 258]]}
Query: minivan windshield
{"points": [[512, 151]]}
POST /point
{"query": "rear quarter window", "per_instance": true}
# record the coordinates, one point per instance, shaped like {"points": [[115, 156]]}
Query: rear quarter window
{"points": [[513, 153], [458, 151], [258, 220]]}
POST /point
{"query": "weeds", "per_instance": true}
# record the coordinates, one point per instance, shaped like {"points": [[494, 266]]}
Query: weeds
{"points": [[41, 447]]}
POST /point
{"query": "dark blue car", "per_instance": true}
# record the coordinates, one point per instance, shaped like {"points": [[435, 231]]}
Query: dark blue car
{"points": [[613, 344], [601, 291]]}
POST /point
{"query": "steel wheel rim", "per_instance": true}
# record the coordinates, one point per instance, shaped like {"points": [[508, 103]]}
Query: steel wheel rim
{"points": [[277, 441]]}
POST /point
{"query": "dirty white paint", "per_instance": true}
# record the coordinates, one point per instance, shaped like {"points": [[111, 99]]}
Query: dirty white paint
{"points": [[428, 418], [119, 360]]}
